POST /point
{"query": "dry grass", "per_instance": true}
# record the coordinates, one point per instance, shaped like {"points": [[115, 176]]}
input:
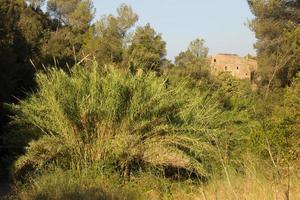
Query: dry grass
{"points": [[257, 185], [250, 188]]}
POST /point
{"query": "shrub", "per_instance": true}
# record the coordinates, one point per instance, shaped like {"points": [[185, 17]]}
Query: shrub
{"points": [[107, 117]]}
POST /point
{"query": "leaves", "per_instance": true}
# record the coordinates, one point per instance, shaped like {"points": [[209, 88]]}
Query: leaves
{"points": [[147, 50], [108, 116]]}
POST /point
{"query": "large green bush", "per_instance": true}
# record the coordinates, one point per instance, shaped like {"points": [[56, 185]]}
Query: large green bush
{"points": [[107, 117]]}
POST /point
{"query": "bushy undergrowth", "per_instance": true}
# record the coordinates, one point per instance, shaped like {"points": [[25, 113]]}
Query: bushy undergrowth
{"points": [[256, 183], [90, 184], [72, 184], [104, 133], [99, 117]]}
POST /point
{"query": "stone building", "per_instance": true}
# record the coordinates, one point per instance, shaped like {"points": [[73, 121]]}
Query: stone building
{"points": [[239, 67]]}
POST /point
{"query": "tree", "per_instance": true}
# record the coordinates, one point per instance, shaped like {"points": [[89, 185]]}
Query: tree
{"points": [[59, 48], [198, 49], [196, 54], [194, 59], [107, 39], [61, 9], [82, 16], [275, 21], [126, 18], [65, 43], [185, 59], [147, 50]]}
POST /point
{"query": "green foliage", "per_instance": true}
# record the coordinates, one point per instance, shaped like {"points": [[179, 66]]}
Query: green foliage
{"points": [[147, 50], [115, 129], [126, 18], [59, 48], [275, 134], [64, 45], [184, 59], [237, 103], [194, 60], [276, 26], [88, 184], [82, 16], [107, 39], [292, 118], [275, 23], [62, 9], [198, 49], [96, 116]]}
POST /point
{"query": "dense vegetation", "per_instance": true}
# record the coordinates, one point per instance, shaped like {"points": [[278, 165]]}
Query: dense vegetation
{"points": [[96, 111]]}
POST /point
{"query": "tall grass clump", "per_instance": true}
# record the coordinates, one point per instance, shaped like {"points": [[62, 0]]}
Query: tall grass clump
{"points": [[74, 185], [110, 119]]}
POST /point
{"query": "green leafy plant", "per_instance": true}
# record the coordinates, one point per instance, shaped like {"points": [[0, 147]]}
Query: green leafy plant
{"points": [[107, 117]]}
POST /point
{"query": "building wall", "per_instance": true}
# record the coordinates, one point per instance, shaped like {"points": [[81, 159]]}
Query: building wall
{"points": [[239, 67]]}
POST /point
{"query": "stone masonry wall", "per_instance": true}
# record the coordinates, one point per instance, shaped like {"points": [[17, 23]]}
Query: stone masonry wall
{"points": [[239, 67]]}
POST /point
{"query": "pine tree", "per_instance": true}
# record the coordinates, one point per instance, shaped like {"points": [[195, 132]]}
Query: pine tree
{"points": [[147, 50], [276, 26]]}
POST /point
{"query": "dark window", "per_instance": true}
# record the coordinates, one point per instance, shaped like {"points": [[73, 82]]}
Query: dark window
{"points": [[237, 68], [215, 60], [246, 74], [226, 68]]}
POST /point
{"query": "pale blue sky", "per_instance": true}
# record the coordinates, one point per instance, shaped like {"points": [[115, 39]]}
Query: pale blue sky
{"points": [[220, 22]]}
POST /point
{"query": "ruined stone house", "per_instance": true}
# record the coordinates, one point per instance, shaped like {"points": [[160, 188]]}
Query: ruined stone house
{"points": [[239, 67]]}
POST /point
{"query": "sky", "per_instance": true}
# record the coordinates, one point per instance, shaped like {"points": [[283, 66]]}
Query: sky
{"points": [[221, 23]]}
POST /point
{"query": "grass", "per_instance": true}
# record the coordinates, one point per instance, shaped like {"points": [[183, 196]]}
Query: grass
{"points": [[73, 185], [92, 185]]}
